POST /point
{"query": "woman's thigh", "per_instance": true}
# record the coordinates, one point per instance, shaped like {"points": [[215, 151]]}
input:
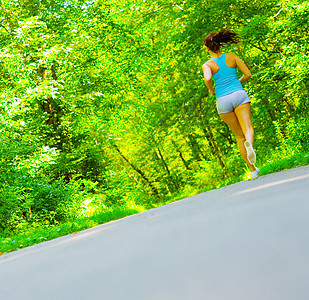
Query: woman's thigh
{"points": [[232, 121], [243, 114]]}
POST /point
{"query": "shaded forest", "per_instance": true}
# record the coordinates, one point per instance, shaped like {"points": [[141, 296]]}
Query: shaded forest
{"points": [[103, 103]]}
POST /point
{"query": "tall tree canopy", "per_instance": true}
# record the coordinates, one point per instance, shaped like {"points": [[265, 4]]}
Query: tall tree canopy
{"points": [[108, 97]]}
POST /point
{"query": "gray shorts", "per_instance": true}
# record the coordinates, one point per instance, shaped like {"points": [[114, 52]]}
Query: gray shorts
{"points": [[228, 103]]}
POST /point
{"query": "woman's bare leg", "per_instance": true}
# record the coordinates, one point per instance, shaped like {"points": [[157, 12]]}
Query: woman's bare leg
{"points": [[232, 121], [243, 114]]}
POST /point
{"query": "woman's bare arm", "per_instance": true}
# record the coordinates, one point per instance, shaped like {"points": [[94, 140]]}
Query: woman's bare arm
{"points": [[208, 78], [243, 68]]}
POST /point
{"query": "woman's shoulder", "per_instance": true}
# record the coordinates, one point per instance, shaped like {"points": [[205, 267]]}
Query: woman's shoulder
{"points": [[212, 65], [230, 55], [231, 59], [209, 63]]}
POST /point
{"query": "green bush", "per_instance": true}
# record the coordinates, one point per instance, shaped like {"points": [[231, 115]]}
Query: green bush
{"points": [[28, 196], [298, 135]]}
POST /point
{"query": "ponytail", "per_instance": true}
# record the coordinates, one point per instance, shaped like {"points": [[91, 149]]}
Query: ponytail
{"points": [[225, 36]]}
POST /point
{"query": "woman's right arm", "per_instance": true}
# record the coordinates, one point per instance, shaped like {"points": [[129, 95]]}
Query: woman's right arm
{"points": [[208, 78], [244, 69]]}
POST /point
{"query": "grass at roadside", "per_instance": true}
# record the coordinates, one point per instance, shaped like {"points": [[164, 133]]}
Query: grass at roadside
{"points": [[41, 234], [274, 165], [37, 235]]}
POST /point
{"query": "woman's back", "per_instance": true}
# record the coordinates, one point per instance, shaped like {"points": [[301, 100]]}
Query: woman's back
{"points": [[224, 74]]}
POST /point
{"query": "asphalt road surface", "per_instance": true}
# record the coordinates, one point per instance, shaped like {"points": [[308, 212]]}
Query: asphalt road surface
{"points": [[246, 241]]}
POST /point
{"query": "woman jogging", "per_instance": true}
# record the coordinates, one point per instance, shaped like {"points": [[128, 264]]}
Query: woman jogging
{"points": [[233, 103]]}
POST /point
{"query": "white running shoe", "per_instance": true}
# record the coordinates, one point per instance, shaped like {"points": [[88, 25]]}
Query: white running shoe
{"points": [[250, 153], [255, 173]]}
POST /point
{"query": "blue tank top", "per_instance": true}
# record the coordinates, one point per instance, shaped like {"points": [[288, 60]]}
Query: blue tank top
{"points": [[226, 79]]}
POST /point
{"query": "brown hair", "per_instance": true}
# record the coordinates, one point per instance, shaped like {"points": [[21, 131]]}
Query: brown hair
{"points": [[215, 39]]}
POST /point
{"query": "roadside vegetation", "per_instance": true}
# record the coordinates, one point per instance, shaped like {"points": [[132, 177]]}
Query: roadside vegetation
{"points": [[104, 111], [97, 216]]}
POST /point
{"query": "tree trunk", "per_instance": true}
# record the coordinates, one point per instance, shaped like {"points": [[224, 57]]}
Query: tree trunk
{"points": [[186, 164], [48, 105], [270, 112], [140, 172], [196, 149], [213, 145], [159, 155]]}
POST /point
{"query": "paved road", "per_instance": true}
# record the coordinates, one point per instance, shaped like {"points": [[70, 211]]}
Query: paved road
{"points": [[246, 241]]}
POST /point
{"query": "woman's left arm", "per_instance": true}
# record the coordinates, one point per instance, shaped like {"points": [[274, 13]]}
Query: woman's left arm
{"points": [[208, 78], [243, 68]]}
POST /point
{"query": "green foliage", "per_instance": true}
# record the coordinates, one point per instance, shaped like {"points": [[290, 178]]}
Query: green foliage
{"points": [[298, 138], [31, 236], [108, 98]]}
